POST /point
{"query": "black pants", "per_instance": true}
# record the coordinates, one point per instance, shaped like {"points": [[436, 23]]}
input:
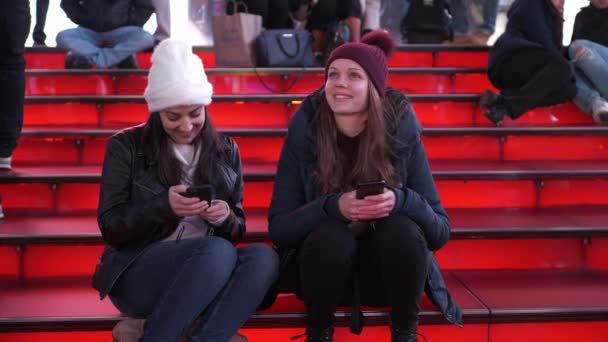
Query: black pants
{"points": [[326, 12], [533, 78], [14, 29], [275, 13], [42, 7], [390, 261]]}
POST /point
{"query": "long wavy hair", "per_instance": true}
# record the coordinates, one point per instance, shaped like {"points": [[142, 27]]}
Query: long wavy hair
{"points": [[373, 160], [211, 146]]}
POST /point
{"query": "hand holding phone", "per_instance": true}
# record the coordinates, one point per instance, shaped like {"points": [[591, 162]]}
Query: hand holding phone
{"points": [[203, 192]]}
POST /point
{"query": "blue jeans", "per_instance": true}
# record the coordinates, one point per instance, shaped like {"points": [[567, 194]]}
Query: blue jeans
{"points": [[174, 282], [461, 16], [105, 49], [591, 73]]}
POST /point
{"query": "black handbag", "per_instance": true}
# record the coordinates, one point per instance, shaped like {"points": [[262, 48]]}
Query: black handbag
{"points": [[284, 49]]}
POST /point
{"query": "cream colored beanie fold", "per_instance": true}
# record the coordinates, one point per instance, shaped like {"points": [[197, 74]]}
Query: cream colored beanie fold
{"points": [[176, 78]]}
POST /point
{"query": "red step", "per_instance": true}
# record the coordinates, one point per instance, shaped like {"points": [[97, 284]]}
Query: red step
{"points": [[65, 146], [405, 56], [466, 224], [258, 114], [36, 302], [569, 253], [252, 81]]}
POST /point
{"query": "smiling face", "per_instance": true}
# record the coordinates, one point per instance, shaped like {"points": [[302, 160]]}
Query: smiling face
{"points": [[346, 88], [183, 123]]}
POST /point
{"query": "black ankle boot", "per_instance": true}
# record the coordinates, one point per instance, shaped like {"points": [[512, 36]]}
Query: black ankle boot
{"points": [[319, 335], [403, 335], [497, 114]]}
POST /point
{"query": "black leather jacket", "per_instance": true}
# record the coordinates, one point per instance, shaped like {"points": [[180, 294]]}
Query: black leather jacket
{"points": [[297, 204], [134, 210], [106, 15]]}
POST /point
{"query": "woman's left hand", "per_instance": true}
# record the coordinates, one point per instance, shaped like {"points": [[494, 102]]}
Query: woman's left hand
{"points": [[217, 211], [375, 206]]}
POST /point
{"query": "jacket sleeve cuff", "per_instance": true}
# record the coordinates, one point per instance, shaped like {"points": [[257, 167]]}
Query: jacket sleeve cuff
{"points": [[400, 197], [332, 207]]}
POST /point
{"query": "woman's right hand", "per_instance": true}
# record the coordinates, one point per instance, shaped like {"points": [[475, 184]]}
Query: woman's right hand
{"points": [[184, 206], [345, 203]]}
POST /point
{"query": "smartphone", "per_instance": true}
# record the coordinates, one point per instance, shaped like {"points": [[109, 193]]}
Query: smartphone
{"points": [[370, 188], [203, 192]]}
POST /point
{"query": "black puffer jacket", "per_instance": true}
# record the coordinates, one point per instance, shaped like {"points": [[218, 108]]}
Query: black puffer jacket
{"points": [[106, 15], [134, 209]]}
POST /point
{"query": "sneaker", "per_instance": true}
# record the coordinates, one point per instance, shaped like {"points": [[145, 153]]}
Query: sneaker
{"points": [[599, 111], [462, 39], [497, 114], [128, 330], [128, 63], [5, 163], [73, 61]]}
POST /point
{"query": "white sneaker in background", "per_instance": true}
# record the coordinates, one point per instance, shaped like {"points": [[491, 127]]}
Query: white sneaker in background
{"points": [[5, 163], [599, 111]]}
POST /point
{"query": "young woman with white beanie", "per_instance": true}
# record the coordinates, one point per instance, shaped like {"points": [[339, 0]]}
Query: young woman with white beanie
{"points": [[170, 259]]}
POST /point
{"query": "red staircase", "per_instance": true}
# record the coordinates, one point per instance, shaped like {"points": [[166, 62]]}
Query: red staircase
{"points": [[528, 201]]}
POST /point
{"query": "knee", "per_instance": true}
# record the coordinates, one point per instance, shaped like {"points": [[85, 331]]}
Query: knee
{"points": [[64, 37], [218, 252], [263, 260], [331, 243], [579, 50], [398, 233]]}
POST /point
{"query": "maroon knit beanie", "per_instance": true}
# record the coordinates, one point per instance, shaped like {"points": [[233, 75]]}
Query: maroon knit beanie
{"points": [[371, 53]]}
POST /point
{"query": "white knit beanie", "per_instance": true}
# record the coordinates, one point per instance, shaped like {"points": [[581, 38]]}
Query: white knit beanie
{"points": [[176, 78]]}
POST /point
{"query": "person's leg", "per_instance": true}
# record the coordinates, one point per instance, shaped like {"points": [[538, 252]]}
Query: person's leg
{"points": [[81, 42], [326, 261], [256, 269], [350, 11], [531, 78], [125, 42], [172, 283], [42, 8], [592, 59], [14, 28], [394, 270], [371, 15], [321, 16], [162, 9], [585, 94], [460, 20]]}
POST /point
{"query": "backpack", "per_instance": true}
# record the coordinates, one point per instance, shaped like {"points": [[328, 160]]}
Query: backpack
{"points": [[427, 22]]}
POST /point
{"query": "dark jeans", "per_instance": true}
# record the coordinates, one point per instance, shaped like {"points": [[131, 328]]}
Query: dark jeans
{"points": [[326, 12], [390, 261], [14, 29], [275, 13], [173, 283], [42, 7], [533, 78]]}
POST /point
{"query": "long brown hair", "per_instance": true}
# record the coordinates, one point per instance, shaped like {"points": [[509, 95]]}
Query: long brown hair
{"points": [[373, 158], [156, 147]]}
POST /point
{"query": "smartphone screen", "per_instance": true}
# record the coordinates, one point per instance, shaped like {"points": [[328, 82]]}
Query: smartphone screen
{"points": [[370, 188]]}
